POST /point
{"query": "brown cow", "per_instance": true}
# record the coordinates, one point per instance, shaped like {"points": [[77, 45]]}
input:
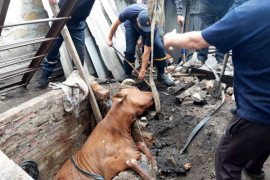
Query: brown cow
{"points": [[110, 148]]}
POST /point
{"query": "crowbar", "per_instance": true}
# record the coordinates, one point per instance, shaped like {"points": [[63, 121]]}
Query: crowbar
{"points": [[130, 64]]}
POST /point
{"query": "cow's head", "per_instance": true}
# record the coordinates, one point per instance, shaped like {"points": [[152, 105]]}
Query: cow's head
{"points": [[132, 96]]}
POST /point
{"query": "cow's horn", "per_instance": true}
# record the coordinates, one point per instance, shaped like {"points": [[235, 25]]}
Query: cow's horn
{"points": [[126, 83]]}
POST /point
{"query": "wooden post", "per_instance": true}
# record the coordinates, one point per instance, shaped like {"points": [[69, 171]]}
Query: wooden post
{"points": [[183, 54], [78, 64]]}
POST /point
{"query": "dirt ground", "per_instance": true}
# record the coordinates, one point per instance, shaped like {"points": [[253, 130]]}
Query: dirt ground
{"points": [[170, 129], [20, 95]]}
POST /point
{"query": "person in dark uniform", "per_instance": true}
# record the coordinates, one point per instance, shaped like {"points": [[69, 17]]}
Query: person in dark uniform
{"points": [[211, 11], [137, 23], [246, 30], [76, 26], [178, 9]]}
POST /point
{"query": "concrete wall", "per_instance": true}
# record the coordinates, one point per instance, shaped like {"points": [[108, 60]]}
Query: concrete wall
{"points": [[10, 170], [42, 131], [20, 11]]}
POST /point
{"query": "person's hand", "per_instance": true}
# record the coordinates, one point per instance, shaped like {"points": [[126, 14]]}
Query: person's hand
{"points": [[142, 74], [167, 39], [109, 42], [180, 20], [53, 2]]}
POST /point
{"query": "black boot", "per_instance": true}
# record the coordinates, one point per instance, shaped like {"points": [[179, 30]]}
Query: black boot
{"points": [[163, 78], [44, 80], [234, 110]]}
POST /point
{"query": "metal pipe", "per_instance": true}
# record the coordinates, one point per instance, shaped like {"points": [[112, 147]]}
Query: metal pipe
{"points": [[16, 62], [11, 75], [66, 10], [10, 85], [25, 43], [35, 22], [16, 58], [11, 88]]}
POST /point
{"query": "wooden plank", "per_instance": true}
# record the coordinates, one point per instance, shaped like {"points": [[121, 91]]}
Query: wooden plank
{"points": [[93, 52], [100, 31], [65, 58]]}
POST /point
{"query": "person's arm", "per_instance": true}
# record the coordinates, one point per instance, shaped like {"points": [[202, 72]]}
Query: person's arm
{"points": [[190, 40], [145, 60], [113, 30], [53, 2], [179, 8]]}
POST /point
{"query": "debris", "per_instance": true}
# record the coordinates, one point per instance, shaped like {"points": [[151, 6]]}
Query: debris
{"points": [[187, 102], [3, 96], [182, 86], [233, 97], [187, 79], [187, 166], [180, 69], [197, 97], [169, 58], [209, 85], [170, 68], [165, 93], [229, 90], [143, 119], [178, 74], [202, 84], [182, 96], [100, 92], [152, 113], [170, 161]]}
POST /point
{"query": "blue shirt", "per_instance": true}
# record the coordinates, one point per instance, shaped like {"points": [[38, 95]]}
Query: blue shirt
{"points": [[246, 30], [131, 14], [81, 11]]}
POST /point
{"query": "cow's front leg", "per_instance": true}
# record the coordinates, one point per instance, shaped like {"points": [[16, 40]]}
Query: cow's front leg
{"points": [[143, 148], [133, 164]]}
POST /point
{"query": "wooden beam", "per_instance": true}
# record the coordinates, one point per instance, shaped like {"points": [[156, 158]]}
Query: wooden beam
{"points": [[78, 64]]}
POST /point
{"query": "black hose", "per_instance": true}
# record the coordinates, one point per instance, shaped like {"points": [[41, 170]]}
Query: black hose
{"points": [[31, 168]]}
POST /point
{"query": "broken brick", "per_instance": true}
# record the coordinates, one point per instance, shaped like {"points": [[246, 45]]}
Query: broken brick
{"points": [[100, 92]]}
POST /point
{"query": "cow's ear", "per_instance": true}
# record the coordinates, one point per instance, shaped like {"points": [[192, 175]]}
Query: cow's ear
{"points": [[119, 97]]}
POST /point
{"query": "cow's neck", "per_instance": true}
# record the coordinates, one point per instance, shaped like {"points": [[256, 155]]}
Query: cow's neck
{"points": [[122, 115]]}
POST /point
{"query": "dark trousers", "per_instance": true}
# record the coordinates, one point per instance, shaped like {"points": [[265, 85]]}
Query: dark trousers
{"points": [[132, 37], [212, 11], [76, 31], [245, 144], [238, 3]]}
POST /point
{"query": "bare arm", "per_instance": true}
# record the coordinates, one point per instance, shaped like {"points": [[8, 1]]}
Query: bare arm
{"points": [[53, 2], [145, 60], [190, 40], [113, 30]]}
